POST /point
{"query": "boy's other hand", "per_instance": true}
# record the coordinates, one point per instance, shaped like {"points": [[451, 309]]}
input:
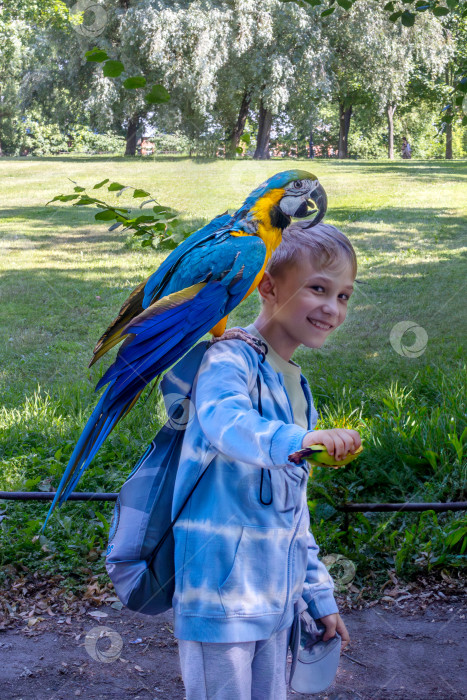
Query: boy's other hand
{"points": [[338, 441], [334, 623]]}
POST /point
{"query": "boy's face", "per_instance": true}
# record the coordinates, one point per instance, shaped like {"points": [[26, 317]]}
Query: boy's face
{"points": [[304, 305]]}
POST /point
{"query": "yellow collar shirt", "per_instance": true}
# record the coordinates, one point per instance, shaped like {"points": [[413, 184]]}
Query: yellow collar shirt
{"points": [[291, 374]]}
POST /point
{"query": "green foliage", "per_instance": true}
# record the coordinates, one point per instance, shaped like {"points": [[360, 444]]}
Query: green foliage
{"points": [[113, 69], [157, 95], [134, 83], [158, 229], [34, 136], [412, 542], [41, 12], [415, 450], [367, 143], [210, 58], [41, 139], [85, 140], [170, 143], [12, 131], [37, 439], [432, 541], [406, 15], [369, 140]]}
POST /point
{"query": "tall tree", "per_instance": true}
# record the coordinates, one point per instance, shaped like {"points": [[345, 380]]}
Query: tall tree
{"points": [[23, 26], [352, 38], [455, 28], [277, 48], [373, 59], [402, 52], [239, 127], [12, 54]]}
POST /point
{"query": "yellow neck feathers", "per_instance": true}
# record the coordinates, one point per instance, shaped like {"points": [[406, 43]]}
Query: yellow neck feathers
{"points": [[270, 234]]}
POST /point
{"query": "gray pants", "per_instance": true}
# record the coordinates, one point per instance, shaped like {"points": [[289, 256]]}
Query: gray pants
{"points": [[241, 671]]}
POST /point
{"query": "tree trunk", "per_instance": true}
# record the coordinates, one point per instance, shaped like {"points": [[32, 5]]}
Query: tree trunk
{"points": [[448, 74], [449, 141], [131, 133], [264, 131], [390, 111], [311, 145], [240, 125], [344, 126]]}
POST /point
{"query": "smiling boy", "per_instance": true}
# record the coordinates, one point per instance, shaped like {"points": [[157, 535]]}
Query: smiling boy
{"points": [[244, 554]]}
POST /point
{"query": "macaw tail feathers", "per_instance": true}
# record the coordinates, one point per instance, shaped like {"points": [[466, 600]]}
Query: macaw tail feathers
{"points": [[153, 334], [156, 339], [98, 427], [113, 335]]}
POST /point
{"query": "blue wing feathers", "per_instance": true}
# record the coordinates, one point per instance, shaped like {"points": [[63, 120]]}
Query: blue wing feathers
{"points": [[156, 329], [197, 313], [156, 283], [146, 339]]}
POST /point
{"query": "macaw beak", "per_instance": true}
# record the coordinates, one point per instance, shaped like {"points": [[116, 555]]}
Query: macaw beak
{"points": [[317, 202]]}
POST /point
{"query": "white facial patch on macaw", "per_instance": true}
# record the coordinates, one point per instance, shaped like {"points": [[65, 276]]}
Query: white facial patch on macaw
{"points": [[295, 200]]}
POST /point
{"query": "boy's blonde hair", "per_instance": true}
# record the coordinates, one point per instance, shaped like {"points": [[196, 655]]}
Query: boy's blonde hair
{"points": [[323, 243]]}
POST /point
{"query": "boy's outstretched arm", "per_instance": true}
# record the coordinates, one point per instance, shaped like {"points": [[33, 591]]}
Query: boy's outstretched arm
{"points": [[227, 416], [318, 588]]}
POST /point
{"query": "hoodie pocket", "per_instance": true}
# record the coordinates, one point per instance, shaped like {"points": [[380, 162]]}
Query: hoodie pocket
{"points": [[257, 582]]}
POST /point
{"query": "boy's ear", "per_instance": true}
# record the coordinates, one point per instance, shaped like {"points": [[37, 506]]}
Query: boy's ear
{"points": [[266, 287]]}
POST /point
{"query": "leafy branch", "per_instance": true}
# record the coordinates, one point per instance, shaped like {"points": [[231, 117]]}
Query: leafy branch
{"points": [[156, 229], [245, 139], [406, 16], [113, 69]]}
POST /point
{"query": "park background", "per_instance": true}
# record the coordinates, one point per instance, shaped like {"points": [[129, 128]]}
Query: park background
{"points": [[230, 85], [312, 77]]}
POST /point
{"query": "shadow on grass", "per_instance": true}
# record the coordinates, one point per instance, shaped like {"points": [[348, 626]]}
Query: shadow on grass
{"points": [[426, 220], [97, 158], [412, 168], [76, 309], [421, 170], [431, 225], [71, 222]]}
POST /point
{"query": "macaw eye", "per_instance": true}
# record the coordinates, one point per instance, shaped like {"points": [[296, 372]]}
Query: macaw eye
{"points": [[297, 184]]}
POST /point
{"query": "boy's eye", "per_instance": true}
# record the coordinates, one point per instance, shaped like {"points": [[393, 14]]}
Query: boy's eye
{"points": [[319, 288]]}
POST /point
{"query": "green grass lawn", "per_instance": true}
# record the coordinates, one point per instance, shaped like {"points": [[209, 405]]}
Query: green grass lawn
{"points": [[64, 277]]}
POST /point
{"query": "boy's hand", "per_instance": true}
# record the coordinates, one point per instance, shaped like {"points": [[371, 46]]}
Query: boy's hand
{"points": [[338, 441], [334, 623]]}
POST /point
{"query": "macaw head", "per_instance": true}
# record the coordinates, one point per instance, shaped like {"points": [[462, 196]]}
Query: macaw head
{"points": [[295, 194]]}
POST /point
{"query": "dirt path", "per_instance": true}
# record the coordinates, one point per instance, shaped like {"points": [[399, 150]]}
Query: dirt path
{"points": [[404, 655]]}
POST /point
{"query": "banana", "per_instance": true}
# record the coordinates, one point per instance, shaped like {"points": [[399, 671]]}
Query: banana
{"points": [[318, 454]]}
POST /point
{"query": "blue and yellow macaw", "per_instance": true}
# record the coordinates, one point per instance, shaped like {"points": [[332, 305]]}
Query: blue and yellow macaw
{"points": [[191, 293]]}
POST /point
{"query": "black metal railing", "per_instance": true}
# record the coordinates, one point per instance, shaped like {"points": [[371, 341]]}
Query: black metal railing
{"points": [[345, 507]]}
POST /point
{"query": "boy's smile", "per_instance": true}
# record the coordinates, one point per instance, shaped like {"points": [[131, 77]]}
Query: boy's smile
{"points": [[304, 305]]}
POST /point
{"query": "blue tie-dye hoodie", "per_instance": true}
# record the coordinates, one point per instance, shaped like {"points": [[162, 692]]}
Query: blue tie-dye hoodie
{"points": [[244, 553]]}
